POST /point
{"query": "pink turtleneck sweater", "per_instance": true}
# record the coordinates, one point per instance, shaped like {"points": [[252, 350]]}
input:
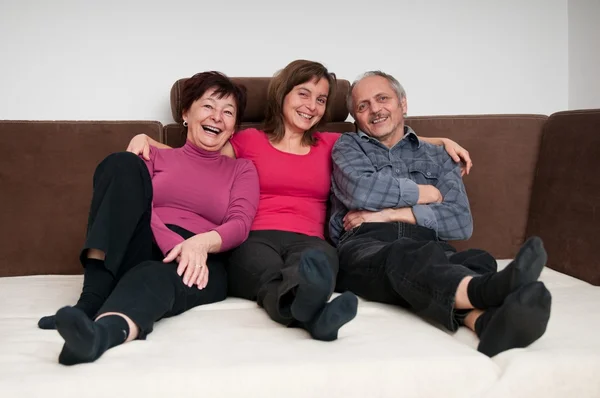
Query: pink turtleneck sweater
{"points": [[201, 191]]}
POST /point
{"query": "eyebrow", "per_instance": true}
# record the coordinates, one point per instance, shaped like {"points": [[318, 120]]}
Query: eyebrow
{"points": [[310, 91], [214, 101]]}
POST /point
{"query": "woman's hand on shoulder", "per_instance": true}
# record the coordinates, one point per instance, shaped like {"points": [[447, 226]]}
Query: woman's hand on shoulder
{"points": [[459, 155]]}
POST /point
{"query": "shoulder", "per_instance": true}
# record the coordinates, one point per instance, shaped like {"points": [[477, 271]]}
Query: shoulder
{"points": [[434, 153], [327, 138], [248, 134], [243, 165], [347, 140]]}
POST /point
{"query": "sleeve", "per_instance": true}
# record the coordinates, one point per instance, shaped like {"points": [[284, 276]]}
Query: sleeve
{"points": [[243, 204], [360, 185], [452, 218], [164, 237]]}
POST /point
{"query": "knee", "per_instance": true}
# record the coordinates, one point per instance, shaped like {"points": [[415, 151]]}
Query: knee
{"points": [[149, 271], [119, 161]]}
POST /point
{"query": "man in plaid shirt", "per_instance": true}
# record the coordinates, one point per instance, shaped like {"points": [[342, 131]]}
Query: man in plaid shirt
{"points": [[396, 200]]}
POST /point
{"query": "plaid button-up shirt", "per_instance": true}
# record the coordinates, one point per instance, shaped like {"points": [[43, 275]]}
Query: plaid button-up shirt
{"points": [[367, 175]]}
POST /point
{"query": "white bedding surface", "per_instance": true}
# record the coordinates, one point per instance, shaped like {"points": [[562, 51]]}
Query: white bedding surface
{"points": [[232, 349]]}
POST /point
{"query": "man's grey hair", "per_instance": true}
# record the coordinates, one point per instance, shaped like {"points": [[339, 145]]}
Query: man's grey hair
{"points": [[396, 86]]}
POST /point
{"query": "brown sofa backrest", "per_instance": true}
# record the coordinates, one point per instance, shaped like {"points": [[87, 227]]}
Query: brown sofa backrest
{"points": [[46, 173], [504, 150], [565, 205], [256, 87]]}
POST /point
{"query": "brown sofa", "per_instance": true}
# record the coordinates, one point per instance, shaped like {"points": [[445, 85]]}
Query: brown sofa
{"points": [[533, 175]]}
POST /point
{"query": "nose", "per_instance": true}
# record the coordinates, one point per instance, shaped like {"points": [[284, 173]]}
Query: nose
{"points": [[375, 108], [216, 116], [311, 104]]}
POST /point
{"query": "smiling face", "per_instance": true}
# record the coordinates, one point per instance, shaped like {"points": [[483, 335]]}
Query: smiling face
{"points": [[211, 120], [304, 105], [378, 111]]}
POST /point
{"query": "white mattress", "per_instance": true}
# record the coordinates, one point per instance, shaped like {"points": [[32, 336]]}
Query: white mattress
{"points": [[232, 349]]}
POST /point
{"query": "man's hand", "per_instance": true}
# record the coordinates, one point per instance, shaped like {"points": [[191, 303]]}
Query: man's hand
{"points": [[140, 145], [191, 255], [429, 194]]}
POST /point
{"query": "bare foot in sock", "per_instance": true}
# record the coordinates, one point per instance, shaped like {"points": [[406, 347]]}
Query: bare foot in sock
{"points": [[332, 317], [315, 287], [85, 340], [490, 290], [520, 321]]}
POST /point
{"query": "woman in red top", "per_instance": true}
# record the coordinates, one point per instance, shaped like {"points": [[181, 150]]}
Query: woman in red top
{"points": [[286, 265]]}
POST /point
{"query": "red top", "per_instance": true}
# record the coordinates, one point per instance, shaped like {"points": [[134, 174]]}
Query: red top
{"points": [[201, 191], [294, 189]]}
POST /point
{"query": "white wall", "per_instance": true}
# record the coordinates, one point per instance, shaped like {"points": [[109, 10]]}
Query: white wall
{"points": [[584, 54], [113, 59]]}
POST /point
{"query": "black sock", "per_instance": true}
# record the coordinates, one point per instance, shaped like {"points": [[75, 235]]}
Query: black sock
{"points": [[316, 285], [332, 317], [520, 321], [490, 290], [98, 282], [85, 340]]}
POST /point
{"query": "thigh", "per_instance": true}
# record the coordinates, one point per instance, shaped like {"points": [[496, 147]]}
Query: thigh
{"points": [[253, 264], [362, 270], [296, 244], [187, 297]]}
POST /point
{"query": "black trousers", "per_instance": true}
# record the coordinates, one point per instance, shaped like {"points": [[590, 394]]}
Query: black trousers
{"points": [[146, 289], [265, 269], [406, 265]]}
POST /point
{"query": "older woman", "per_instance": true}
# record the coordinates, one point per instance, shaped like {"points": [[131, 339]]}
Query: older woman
{"points": [[191, 204], [286, 265]]}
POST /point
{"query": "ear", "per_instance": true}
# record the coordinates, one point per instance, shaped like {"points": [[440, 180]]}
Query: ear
{"points": [[184, 116], [404, 105]]}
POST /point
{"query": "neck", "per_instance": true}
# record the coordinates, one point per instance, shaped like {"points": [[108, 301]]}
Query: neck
{"points": [[391, 139]]}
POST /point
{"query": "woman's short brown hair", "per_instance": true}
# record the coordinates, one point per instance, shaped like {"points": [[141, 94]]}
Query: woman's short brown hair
{"points": [[195, 87], [295, 73]]}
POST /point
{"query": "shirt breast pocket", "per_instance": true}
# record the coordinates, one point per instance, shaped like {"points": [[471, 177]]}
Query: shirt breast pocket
{"points": [[424, 172]]}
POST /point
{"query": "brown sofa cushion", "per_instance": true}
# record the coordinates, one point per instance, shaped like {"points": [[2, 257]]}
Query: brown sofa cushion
{"points": [[46, 171], [565, 205], [257, 97], [504, 149]]}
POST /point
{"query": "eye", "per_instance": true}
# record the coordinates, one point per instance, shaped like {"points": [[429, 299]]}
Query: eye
{"points": [[322, 101], [361, 107], [207, 106], [303, 94], [383, 97], [229, 113]]}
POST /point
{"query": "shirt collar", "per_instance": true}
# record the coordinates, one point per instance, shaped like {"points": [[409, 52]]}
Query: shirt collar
{"points": [[409, 134]]}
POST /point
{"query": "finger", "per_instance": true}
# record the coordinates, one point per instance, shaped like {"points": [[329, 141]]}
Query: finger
{"points": [[463, 169], [454, 155], [183, 264], [200, 281], [190, 268], [205, 277], [146, 152], [469, 165], [172, 254]]}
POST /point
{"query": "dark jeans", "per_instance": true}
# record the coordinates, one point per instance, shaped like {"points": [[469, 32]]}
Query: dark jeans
{"points": [[265, 268], [146, 289], [406, 265]]}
